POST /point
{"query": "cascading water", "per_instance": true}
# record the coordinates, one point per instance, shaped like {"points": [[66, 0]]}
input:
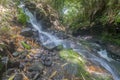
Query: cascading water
{"points": [[50, 41]]}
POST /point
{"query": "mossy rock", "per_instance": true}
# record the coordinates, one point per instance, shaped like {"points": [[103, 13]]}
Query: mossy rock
{"points": [[76, 65]]}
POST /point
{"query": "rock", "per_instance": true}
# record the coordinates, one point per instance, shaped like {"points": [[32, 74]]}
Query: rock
{"points": [[59, 47], [43, 57], [114, 51], [22, 56], [30, 6], [18, 77], [48, 63], [15, 54], [31, 75], [46, 60], [13, 64], [40, 14], [37, 66], [38, 55], [11, 47], [27, 32]]}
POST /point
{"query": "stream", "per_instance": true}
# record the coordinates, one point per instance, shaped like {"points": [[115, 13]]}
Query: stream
{"points": [[50, 41]]}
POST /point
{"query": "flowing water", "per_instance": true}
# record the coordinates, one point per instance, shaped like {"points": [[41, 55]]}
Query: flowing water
{"points": [[50, 41]]}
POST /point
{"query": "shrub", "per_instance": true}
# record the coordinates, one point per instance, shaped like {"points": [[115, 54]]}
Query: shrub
{"points": [[22, 17]]}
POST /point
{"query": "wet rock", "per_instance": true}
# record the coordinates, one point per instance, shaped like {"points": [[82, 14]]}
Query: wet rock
{"points": [[18, 77], [27, 32], [37, 66], [114, 51], [46, 22], [40, 14], [31, 6]]}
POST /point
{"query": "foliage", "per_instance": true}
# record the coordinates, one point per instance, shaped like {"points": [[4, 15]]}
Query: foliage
{"points": [[110, 38], [26, 46], [81, 13], [84, 14], [117, 18], [22, 17]]}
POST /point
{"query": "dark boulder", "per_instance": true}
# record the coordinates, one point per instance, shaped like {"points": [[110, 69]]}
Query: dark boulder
{"points": [[31, 6], [27, 32], [114, 51]]}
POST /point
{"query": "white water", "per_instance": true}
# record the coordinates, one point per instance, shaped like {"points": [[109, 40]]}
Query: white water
{"points": [[50, 41]]}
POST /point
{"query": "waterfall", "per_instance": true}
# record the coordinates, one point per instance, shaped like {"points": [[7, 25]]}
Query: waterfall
{"points": [[50, 41]]}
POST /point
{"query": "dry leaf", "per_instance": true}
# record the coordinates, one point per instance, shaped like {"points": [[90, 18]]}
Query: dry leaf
{"points": [[53, 74]]}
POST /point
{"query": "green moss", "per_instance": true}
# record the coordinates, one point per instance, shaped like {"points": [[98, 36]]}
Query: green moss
{"points": [[76, 62], [22, 17]]}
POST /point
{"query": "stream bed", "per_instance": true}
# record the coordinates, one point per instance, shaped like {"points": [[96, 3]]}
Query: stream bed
{"points": [[93, 53]]}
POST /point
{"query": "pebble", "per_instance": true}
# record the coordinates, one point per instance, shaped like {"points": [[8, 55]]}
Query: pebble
{"points": [[15, 54]]}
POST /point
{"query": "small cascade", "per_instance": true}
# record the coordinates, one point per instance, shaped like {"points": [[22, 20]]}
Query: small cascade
{"points": [[50, 41]]}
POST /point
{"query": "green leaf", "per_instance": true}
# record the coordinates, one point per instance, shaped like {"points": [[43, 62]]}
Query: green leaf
{"points": [[25, 45], [12, 77]]}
